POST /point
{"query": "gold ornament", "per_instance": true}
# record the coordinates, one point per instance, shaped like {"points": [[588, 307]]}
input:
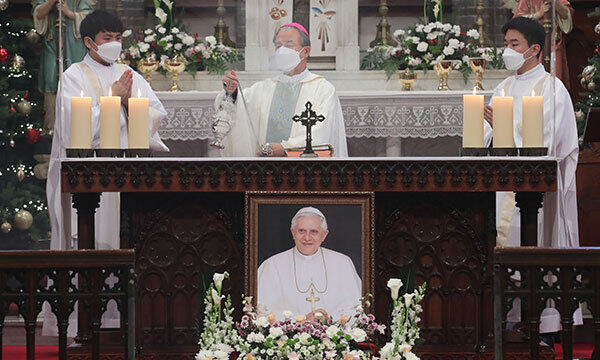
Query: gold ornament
{"points": [[20, 174], [32, 37], [6, 227], [23, 220], [579, 115], [17, 62], [588, 72], [24, 107], [12, 143], [591, 86], [584, 83], [3, 5]]}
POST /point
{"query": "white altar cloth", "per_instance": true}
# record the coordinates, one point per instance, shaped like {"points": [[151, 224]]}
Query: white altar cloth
{"points": [[372, 114]]}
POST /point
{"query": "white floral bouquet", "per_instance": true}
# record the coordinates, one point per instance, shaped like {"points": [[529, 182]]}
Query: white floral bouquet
{"points": [[219, 339], [405, 323], [165, 41], [422, 45], [259, 335]]}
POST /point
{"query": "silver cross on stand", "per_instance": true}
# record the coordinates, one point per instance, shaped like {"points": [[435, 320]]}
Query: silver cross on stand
{"points": [[308, 118]]}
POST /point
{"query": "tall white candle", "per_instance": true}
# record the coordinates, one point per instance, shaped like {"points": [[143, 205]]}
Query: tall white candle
{"points": [[473, 120], [81, 122], [110, 121], [503, 121], [533, 121], [138, 122]]}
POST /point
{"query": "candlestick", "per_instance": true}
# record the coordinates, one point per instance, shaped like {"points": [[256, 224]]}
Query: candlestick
{"points": [[81, 122], [110, 122], [138, 122], [473, 121], [503, 121], [533, 121]]}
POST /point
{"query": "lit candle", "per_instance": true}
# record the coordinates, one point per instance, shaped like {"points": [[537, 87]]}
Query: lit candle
{"points": [[533, 121], [473, 120], [503, 121], [110, 121], [138, 122], [81, 122]]}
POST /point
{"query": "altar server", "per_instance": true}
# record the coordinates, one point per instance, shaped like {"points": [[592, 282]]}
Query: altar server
{"points": [[524, 40], [262, 118], [309, 279], [93, 77]]}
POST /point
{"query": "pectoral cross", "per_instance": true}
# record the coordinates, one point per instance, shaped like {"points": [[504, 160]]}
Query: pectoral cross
{"points": [[312, 299], [308, 118]]}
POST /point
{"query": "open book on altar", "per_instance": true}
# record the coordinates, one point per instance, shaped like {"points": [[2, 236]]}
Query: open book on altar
{"points": [[325, 150]]}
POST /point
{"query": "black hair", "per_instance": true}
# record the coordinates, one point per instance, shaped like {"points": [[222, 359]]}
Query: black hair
{"points": [[99, 21], [531, 30]]}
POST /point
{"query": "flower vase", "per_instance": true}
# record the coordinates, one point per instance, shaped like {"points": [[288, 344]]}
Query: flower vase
{"points": [[147, 65], [478, 66], [443, 68], [407, 78], [175, 65]]}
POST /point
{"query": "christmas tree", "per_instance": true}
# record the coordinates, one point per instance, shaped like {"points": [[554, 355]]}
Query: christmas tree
{"points": [[590, 80], [23, 210]]}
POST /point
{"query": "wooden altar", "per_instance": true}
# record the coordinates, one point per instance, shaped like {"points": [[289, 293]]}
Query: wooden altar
{"points": [[185, 217]]}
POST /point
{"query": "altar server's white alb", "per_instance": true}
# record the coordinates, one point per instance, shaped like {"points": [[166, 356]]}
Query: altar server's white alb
{"points": [[557, 222], [263, 115], [94, 77], [308, 278]]}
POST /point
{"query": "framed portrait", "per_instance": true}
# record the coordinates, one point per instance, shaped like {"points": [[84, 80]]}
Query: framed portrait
{"points": [[277, 249]]}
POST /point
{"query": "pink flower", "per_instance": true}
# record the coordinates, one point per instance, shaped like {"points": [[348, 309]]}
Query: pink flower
{"points": [[381, 328], [293, 356]]}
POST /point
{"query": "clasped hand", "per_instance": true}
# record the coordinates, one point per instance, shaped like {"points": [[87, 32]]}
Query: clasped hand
{"points": [[122, 87]]}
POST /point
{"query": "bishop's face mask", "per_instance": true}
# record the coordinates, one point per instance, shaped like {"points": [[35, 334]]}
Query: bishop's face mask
{"points": [[514, 59], [285, 59], [109, 51]]}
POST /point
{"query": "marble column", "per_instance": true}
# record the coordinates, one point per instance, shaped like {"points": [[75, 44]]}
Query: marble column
{"points": [[257, 32], [348, 51]]}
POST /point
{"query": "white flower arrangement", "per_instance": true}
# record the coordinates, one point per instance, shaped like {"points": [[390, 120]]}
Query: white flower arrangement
{"points": [[165, 41], [405, 323], [259, 335], [219, 339]]}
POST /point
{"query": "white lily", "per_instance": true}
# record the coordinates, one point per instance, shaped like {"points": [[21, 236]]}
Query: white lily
{"points": [[394, 285], [161, 15]]}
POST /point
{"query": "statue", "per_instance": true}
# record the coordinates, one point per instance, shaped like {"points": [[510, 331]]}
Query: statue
{"points": [[45, 18]]}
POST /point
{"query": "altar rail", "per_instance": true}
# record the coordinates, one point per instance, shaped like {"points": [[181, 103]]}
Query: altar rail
{"points": [[62, 278], [567, 276]]}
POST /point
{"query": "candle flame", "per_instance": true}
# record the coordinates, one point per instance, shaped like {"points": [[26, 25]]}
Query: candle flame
{"points": [[110, 91], [139, 93], [503, 93], [81, 92], [533, 92], [475, 90]]}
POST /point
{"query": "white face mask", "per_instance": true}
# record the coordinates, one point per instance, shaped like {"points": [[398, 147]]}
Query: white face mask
{"points": [[284, 60], [514, 59], [110, 51]]}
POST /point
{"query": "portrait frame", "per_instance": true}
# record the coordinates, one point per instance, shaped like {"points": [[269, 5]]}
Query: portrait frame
{"points": [[254, 200]]}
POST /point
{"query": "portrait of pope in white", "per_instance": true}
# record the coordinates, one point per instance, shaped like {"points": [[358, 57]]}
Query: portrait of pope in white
{"points": [[309, 278]]}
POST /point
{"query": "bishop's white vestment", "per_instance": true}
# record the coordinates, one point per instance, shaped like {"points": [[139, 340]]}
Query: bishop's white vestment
{"points": [[284, 283], [557, 222], [94, 80], [266, 115]]}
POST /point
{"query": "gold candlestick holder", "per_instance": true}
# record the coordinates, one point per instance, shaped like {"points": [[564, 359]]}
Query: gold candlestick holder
{"points": [[478, 66], [384, 36], [443, 68], [175, 65]]}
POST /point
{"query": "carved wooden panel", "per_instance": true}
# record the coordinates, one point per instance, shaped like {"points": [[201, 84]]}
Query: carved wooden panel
{"points": [[179, 237], [448, 238]]}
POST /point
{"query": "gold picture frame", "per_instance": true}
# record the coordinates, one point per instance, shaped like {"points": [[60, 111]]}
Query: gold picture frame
{"points": [[288, 200]]}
